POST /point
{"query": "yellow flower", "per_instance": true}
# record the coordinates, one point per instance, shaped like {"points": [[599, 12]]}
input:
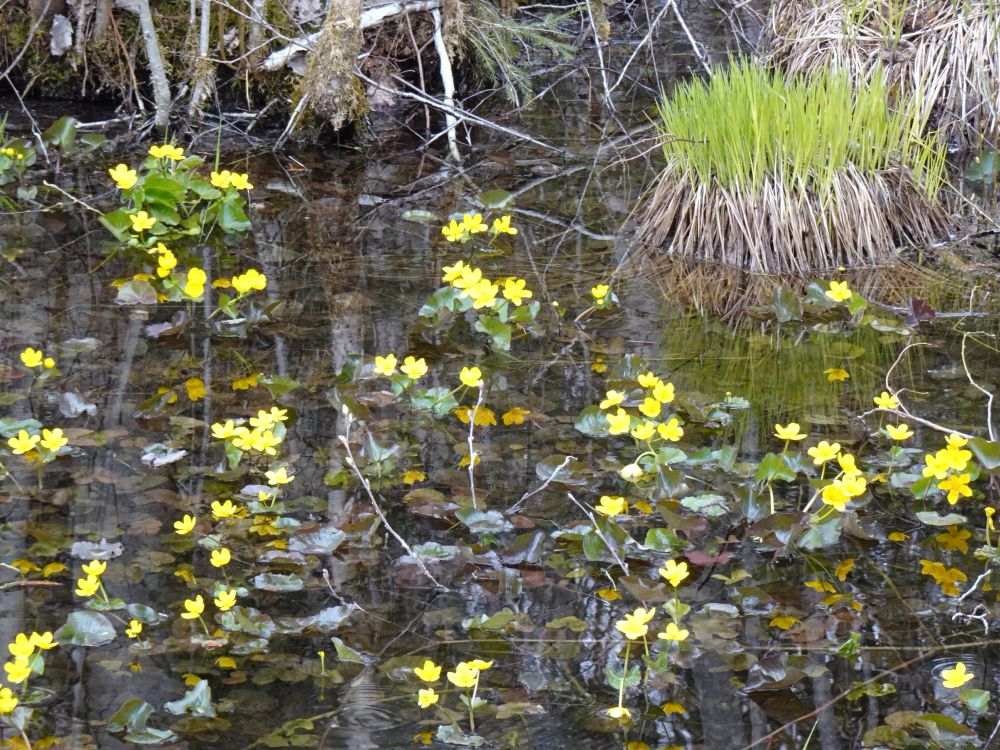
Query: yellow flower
{"points": [[52, 440], [673, 708], [824, 452], [87, 586], [221, 179], [789, 432], [43, 641], [957, 485], [956, 677], [671, 431], [473, 223], [453, 272], [937, 464], [429, 672], [250, 280], [464, 676], [502, 226], [141, 221], [194, 283], [673, 633], [899, 432], [165, 263], [426, 697], [618, 423], [620, 712], [513, 289], [674, 572], [631, 473], [225, 600], [611, 505], [844, 568], [600, 291], [469, 278], [222, 431], [185, 525], [954, 539], [22, 646], [123, 176], [955, 441], [663, 392], [481, 665], [240, 181], [221, 557], [95, 568], [784, 622], [612, 398], [956, 458], [886, 401], [453, 231], [224, 510], [167, 151], [32, 357], [838, 291], [193, 608], [897, 536], [853, 484], [23, 442], [650, 407], [483, 294], [848, 465], [648, 380], [195, 388], [18, 670], [8, 701], [278, 477], [644, 430], [49, 363], [413, 476], [515, 416], [836, 374], [471, 377], [385, 365], [134, 629], [836, 496], [636, 624], [414, 368]]}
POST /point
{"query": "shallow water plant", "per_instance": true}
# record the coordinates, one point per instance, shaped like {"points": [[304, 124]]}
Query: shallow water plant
{"points": [[781, 174]]}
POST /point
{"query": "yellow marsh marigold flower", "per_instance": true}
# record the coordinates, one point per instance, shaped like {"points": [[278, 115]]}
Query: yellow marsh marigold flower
{"points": [[600, 291], [844, 568], [515, 416], [194, 283], [224, 510], [674, 572], [853, 484], [648, 380], [502, 226], [385, 365], [87, 587], [957, 485], [32, 357], [611, 505], [789, 432], [848, 464], [426, 697], [464, 676], [195, 388], [673, 633], [620, 712], [193, 608], [957, 458], [636, 624], [123, 176], [134, 629], [221, 557], [644, 431], [631, 472], [249, 281], [824, 452], [223, 431], [663, 392], [43, 641], [225, 600], [899, 432], [955, 441], [954, 539], [95, 568], [836, 374], [452, 232], [414, 368], [166, 151], [413, 476], [612, 398], [451, 273], [21, 646], [474, 223], [221, 179], [471, 377], [650, 407], [839, 291], [240, 181], [141, 221], [429, 672], [480, 664], [185, 525], [18, 670], [618, 423], [836, 496], [937, 464], [886, 400], [23, 442], [276, 477], [671, 430], [8, 701], [513, 289], [469, 278], [956, 676], [52, 440]]}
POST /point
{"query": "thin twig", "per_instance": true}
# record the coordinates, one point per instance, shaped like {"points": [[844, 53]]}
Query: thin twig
{"points": [[974, 384], [472, 450], [597, 530], [542, 486]]}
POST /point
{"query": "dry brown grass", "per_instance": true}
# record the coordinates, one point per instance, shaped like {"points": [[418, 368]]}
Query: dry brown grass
{"points": [[946, 50]]}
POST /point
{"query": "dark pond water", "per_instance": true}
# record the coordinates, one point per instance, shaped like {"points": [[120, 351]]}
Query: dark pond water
{"points": [[333, 232]]}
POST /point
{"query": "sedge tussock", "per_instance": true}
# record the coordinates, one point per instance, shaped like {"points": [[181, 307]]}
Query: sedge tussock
{"points": [[784, 175]]}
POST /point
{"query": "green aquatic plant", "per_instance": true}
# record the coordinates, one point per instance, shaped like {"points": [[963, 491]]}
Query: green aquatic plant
{"points": [[780, 174]]}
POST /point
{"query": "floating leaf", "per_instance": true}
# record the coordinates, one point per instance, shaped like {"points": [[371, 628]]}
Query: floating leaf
{"points": [[932, 518], [197, 701], [85, 628], [278, 582]]}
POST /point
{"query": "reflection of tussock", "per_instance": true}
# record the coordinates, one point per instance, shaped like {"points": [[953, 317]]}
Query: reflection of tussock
{"points": [[947, 49]]}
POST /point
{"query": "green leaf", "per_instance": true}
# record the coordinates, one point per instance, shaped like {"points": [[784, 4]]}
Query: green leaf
{"points": [[772, 467], [278, 582], [977, 700], [787, 305], [118, 223], [131, 716], [135, 292], [572, 623], [62, 133], [483, 521], [592, 422], [197, 701], [662, 540], [231, 215], [321, 541], [450, 734], [707, 504], [931, 518], [279, 386], [346, 653], [439, 400], [85, 628], [500, 332], [987, 453], [614, 677], [496, 199]]}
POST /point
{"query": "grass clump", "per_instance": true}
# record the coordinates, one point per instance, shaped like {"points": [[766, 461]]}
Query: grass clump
{"points": [[780, 175], [947, 49]]}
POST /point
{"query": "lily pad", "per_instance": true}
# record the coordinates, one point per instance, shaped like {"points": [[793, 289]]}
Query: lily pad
{"points": [[85, 628]]}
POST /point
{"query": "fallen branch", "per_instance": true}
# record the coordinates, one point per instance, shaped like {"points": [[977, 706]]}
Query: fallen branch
{"points": [[448, 83]]}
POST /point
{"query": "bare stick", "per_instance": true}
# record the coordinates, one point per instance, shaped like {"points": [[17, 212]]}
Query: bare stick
{"points": [[542, 486], [645, 40], [694, 44], [974, 384], [600, 56], [597, 530], [448, 84], [472, 450], [158, 74], [345, 440]]}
